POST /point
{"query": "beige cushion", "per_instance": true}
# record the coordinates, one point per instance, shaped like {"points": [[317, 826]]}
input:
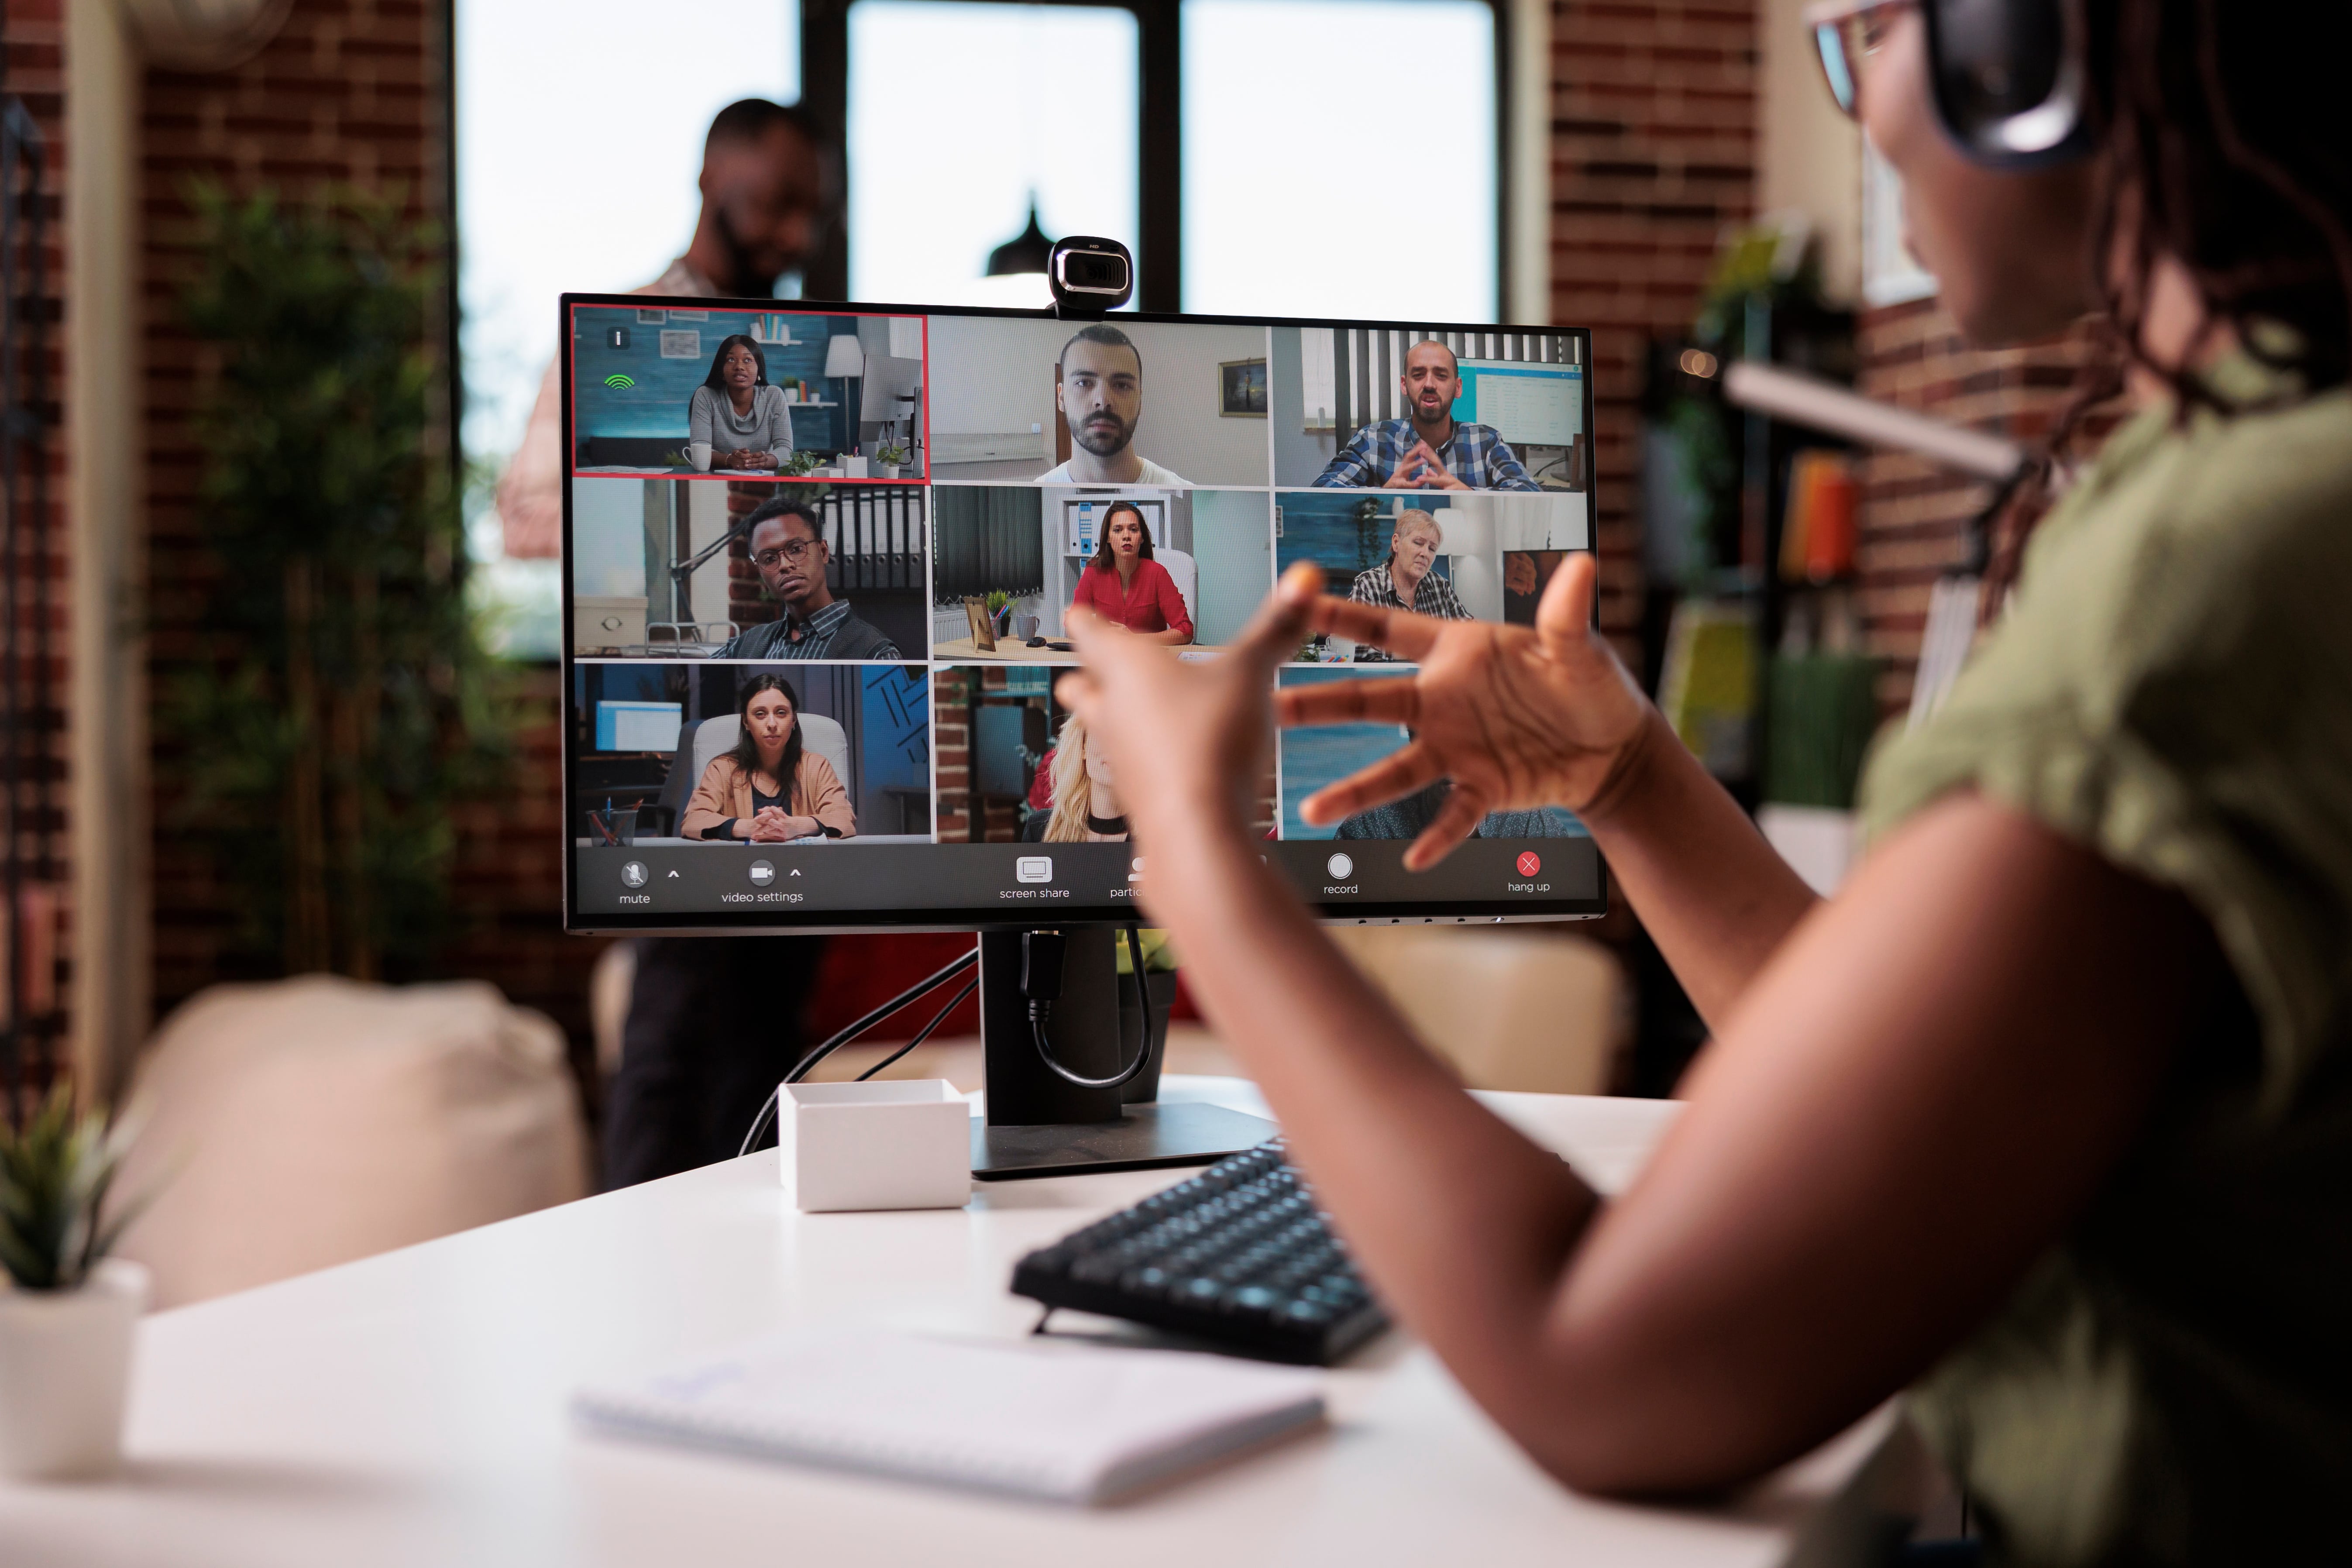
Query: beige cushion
{"points": [[312, 1122], [1510, 1009]]}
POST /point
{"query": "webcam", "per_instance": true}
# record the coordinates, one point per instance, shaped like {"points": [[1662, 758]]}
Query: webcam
{"points": [[1089, 275]]}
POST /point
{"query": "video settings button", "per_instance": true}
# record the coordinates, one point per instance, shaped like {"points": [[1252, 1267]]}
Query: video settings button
{"points": [[762, 873]]}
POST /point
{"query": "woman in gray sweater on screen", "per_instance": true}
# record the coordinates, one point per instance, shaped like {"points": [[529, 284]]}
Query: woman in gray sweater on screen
{"points": [[743, 421]]}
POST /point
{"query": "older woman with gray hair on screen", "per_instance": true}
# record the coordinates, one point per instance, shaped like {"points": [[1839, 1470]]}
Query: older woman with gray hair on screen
{"points": [[1406, 580]]}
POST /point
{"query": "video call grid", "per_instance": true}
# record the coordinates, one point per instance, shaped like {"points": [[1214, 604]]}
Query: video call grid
{"points": [[928, 479]]}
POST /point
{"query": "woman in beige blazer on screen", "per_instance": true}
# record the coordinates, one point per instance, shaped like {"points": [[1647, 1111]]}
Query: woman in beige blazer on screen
{"points": [[742, 793]]}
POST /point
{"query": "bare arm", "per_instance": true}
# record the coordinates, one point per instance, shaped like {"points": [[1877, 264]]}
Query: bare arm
{"points": [[1913, 1101], [1716, 898], [1520, 719], [530, 493]]}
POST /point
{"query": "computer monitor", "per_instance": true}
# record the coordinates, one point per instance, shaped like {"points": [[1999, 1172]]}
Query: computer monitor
{"points": [[850, 533]]}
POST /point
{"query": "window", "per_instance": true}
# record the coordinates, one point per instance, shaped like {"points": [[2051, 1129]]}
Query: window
{"points": [[1371, 126], [961, 115], [579, 139], [1373, 194]]}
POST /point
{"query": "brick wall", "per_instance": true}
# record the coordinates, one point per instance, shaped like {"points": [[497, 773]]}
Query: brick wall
{"points": [[1915, 516], [747, 601], [350, 92], [1654, 154], [36, 625]]}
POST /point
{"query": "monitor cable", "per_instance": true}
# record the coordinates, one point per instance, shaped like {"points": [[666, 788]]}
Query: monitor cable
{"points": [[1041, 983], [841, 1037]]}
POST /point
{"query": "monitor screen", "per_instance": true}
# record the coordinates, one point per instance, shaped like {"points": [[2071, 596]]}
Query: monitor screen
{"points": [[817, 561]]}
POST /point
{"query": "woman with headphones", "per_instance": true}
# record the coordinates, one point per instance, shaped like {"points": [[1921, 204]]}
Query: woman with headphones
{"points": [[2043, 1122]]}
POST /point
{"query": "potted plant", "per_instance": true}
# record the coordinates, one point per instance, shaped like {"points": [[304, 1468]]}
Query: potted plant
{"points": [[1000, 611], [892, 456], [799, 465], [1160, 989], [68, 1310]]}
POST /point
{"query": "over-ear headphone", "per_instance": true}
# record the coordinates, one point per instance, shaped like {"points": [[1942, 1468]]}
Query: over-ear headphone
{"points": [[2007, 76], [2008, 79]]}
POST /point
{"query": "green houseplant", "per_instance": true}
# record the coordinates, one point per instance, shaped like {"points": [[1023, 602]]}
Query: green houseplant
{"points": [[67, 1315], [893, 456], [335, 702]]}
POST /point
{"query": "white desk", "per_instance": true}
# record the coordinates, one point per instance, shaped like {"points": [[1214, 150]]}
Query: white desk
{"points": [[409, 1409]]}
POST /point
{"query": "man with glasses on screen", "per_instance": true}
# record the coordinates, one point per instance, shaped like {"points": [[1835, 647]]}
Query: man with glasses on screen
{"points": [[788, 547], [1430, 450], [766, 188], [1099, 389]]}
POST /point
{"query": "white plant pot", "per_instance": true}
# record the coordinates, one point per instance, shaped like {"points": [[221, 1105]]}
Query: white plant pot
{"points": [[65, 1373], [889, 470]]}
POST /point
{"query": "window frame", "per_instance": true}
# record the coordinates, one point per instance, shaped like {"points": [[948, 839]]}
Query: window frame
{"points": [[1160, 172]]}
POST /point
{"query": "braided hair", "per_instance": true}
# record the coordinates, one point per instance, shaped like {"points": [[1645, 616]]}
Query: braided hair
{"points": [[2220, 146]]}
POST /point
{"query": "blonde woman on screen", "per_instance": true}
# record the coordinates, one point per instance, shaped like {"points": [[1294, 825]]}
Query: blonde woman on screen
{"points": [[1085, 802]]}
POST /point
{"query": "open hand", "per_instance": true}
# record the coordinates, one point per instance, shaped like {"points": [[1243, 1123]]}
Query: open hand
{"points": [[1517, 719], [1188, 743]]}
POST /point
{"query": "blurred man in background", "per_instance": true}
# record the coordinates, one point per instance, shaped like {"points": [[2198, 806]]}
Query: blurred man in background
{"points": [[767, 191], [713, 1021]]}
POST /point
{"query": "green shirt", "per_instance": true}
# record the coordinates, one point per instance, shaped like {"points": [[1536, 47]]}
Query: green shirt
{"points": [[2172, 686]]}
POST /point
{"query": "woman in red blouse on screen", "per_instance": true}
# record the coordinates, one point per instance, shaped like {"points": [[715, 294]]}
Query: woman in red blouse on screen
{"points": [[1124, 586]]}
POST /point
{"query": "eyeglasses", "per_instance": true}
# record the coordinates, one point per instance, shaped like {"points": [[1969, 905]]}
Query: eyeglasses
{"points": [[2008, 81], [768, 560], [1846, 33]]}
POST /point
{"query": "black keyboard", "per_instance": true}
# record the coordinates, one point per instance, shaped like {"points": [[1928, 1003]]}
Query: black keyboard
{"points": [[1238, 1255]]}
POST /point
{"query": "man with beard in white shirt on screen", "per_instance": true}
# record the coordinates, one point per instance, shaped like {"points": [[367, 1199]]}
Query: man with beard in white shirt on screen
{"points": [[1098, 388]]}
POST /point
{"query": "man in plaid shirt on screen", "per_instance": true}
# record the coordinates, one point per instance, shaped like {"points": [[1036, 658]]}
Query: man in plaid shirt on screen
{"points": [[1429, 452]]}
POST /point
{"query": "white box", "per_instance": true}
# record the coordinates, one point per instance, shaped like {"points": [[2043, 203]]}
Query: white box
{"points": [[903, 1144]]}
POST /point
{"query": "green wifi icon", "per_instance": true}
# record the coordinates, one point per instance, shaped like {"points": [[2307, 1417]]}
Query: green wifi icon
{"points": [[618, 383]]}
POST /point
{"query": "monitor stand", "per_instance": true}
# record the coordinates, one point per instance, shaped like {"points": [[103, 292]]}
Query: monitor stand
{"points": [[1039, 1125]]}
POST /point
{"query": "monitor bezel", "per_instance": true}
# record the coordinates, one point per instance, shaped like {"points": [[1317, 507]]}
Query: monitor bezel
{"points": [[932, 920]]}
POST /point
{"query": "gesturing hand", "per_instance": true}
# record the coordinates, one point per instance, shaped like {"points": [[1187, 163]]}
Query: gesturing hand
{"points": [[1517, 719], [1187, 741]]}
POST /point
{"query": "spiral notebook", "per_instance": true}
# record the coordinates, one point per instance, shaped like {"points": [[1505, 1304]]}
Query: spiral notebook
{"points": [[1070, 1423]]}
